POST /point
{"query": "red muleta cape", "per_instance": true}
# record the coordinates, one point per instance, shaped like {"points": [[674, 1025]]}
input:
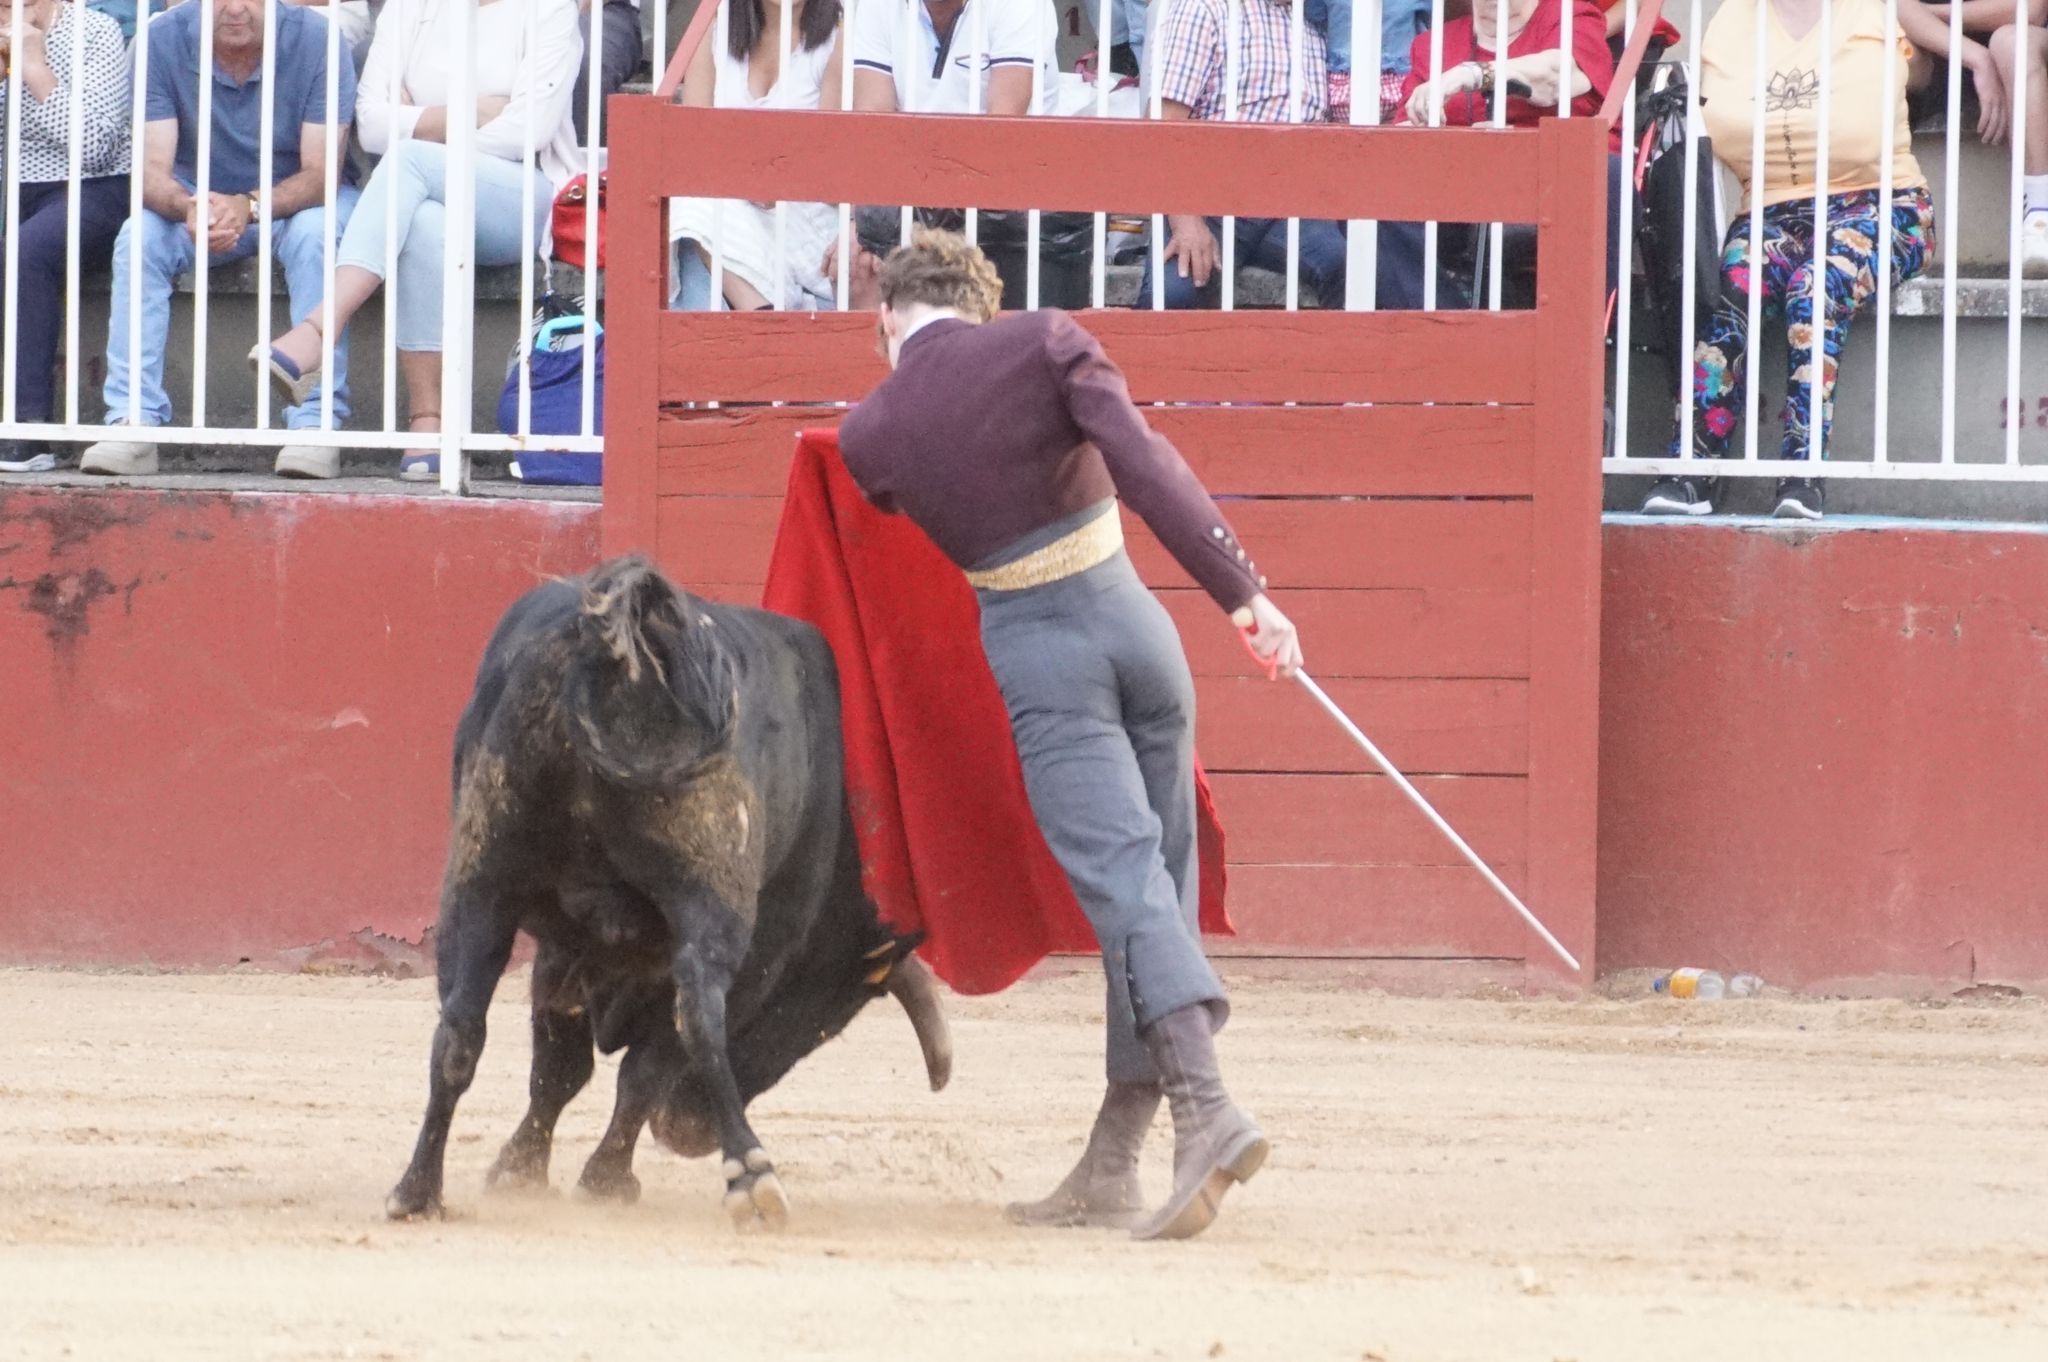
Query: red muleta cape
{"points": [[947, 839]]}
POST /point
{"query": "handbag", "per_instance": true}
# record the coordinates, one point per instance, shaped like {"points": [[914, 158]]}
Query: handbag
{"points": [[567, 220], [555, 360]]}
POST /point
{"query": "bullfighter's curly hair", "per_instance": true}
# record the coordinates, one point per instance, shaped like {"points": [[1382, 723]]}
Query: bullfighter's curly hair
{"points": [[940, 269]]}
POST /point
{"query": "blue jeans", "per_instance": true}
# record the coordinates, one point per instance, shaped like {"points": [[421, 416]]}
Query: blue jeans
{"points": [[1263, 242], [167, 252], [416, 175]]}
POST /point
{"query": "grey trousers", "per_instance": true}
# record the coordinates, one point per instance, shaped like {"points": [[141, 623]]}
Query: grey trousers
{"points": [[1103, 709]]}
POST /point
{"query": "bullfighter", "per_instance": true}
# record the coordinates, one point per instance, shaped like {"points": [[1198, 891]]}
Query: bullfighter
{"points": [[1009, 442]]}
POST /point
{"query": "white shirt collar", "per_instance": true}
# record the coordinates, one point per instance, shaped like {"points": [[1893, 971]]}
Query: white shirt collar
{"points": [[937, 314]]}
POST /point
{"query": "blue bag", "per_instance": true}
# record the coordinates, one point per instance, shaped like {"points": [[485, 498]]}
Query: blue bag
{"points": [[555, 362]]}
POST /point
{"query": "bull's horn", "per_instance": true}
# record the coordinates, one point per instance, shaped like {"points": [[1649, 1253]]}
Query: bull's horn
{"points": [[912, 985]]}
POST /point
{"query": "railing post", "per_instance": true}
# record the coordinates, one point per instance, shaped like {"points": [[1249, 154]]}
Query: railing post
{"points": [[1564, 677], [636, 295]]}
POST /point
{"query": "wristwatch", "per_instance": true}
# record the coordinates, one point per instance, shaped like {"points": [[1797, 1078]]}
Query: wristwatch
{"points": [[255, 207]]}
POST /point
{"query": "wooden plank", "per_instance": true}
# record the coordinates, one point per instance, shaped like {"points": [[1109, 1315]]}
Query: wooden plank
{"points": [[1363, 820], [1383, 450], [1269, 356], [1408, 631], [638, 282], [732, 451], [1374, 910], [1453, 727], [1076, 164], [1564, 657], [1302, 545]]}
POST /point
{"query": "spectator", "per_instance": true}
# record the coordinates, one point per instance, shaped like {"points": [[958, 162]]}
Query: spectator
{"points": [[358, 20], [405, 120], [1992, 21], [163, 242], [1400, 21], [1190, 65], [1785, 186], [1462, 95], [49, 32], [122, 12], [617, 60], [744, 232], [918, 55], [957, 56]]}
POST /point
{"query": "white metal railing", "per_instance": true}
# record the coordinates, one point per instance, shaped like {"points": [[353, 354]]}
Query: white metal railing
{"points": [[195, 416], [1647, 423], [1937, 446]]}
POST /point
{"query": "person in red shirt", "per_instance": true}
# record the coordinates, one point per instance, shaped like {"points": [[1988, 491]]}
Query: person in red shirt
{"points": [[1462, 94], [1473, 66]]}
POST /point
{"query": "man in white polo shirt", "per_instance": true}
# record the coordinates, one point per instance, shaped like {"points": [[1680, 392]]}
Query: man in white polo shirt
{"points": [[951, 56], [961, 57]]}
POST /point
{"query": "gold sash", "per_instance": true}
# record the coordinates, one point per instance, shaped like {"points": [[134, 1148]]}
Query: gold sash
{"points": [[1090, 546]]}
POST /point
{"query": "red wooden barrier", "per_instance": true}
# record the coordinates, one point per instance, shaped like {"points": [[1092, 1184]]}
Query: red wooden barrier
{"points": [[1440, 546]]}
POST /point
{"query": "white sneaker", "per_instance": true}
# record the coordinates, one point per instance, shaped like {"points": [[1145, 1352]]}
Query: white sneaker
{"points": [[42, 461], [308, 461], [2034, 244], [119, 459]]}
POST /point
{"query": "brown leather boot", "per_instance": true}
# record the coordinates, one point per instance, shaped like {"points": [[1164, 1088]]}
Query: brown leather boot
{"points": [[1215, 1144], [1102, 1191]]}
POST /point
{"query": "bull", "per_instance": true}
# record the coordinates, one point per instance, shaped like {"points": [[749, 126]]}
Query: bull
{"points": [[652, 788]]}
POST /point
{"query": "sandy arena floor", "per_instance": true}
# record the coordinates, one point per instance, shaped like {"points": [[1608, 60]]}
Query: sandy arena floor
{"points": [[193, 1166]]}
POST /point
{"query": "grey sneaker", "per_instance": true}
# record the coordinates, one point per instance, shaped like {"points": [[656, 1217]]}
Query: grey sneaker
{"points": [[308, 461], [119, 459], [28, 461]]}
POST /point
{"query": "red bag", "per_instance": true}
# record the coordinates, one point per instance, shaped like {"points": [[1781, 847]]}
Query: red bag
{"points": [[568, 220]]}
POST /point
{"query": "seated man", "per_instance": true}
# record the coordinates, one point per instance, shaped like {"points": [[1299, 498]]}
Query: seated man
{"points": [[1190, 65], [969, 56], [163, 241], [620, 49]]}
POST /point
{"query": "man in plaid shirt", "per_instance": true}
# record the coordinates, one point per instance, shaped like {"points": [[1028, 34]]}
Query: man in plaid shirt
{"points": [[1191, 66]]}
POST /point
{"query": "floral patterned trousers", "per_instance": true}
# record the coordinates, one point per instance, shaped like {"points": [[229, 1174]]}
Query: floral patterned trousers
{"points": [[1787, 283]]}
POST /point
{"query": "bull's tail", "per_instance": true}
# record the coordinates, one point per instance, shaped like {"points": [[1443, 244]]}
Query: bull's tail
{"points": [[649, 693]]}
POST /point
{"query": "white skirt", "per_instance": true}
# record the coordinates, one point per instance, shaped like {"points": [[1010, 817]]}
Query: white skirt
{"points": [[744, 237]]}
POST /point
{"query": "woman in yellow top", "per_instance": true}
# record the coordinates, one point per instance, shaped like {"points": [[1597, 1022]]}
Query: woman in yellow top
{"points": [[1787, 96]]}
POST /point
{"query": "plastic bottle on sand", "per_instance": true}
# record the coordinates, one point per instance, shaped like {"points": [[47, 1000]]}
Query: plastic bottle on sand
{"points": [[1703, 984], [1745, 986]]}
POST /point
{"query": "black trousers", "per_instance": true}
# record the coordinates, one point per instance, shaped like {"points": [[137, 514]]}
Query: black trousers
{"points": [[616, 62], [38, 285]]}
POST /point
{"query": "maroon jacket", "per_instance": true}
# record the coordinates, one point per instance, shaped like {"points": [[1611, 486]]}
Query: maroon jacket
{"points": [[986, 433]]}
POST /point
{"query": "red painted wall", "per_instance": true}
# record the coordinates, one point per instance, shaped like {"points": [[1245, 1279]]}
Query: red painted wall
{"points": [[227, 724], [1822, 752], [227, 717]]}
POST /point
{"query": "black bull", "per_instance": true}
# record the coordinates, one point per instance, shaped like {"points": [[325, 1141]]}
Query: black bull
{"points": [[652, 788]]}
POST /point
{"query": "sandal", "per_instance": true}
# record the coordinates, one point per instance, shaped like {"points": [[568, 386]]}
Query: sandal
{"points": [[421, 465], [295, 386]]}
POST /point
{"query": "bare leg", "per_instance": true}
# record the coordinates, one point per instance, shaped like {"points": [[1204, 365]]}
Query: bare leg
{"points": [[562, 1064], [421, 370], [353, 286], [475, 941], [2034, 136]]}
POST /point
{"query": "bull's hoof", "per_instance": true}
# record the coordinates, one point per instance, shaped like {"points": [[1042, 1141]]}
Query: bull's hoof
{"points": [[522, 1166], [604, 1182], [690, 1136], [753, 1194], [410, 1201]]}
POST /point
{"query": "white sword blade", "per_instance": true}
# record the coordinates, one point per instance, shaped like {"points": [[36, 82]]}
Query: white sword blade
{"points": [[1429, 811]]}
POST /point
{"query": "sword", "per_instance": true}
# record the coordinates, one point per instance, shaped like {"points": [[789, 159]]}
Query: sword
{"points": [[1429, 811]]}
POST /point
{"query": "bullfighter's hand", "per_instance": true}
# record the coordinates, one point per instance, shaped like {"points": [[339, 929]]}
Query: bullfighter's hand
{"points": [[1272, 635]]}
